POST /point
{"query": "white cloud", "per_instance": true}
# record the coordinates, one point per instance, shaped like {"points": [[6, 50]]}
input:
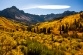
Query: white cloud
{"points": [[48, 7]]}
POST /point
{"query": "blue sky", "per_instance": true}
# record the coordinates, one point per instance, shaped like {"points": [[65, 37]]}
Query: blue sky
{"points": [[43, 6]]}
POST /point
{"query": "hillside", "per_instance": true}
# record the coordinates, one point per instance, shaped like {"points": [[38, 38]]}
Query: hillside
{"points": [[6, 24], [47, 38], [71, 22]]}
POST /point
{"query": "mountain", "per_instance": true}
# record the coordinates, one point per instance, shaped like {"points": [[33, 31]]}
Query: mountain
{"points": [[52, 16], [16, 14], [19, 15]]}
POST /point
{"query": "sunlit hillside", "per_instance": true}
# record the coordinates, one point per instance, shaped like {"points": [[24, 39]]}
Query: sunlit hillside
{"points": [[58, 37], [55, 26], [10, 24], [16, 40]]}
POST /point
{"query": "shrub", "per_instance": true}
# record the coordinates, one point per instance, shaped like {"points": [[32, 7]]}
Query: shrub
{"points": [[35, 48]]}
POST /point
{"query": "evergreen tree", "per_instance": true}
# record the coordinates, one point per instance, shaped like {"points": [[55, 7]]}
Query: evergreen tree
{"points": [[34, 30], [48, 31], [29, 29], [66, 29], [37, 31], [80, 25], [62, 27], [75, 22], [44, 30], [40, 30]]}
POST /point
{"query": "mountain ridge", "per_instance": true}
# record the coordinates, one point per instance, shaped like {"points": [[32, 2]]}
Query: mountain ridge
{"points": [[19, 15]]}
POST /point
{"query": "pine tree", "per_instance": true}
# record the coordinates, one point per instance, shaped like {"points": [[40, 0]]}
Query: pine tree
{"points": [[44, 30], [37, 31], [40, 30], [62, 27], [48, 31], [34, 30], [29, 29], [66, 29], [80, 25]]}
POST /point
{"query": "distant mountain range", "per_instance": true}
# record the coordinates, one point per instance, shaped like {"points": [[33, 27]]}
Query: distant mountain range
{"points": [[14, 13]]}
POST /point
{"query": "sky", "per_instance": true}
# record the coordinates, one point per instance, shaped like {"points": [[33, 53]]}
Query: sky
{"points": [[43, 6]]}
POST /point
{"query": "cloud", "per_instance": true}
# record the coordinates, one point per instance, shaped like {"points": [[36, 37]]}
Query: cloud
{"points": [[47, 7]]}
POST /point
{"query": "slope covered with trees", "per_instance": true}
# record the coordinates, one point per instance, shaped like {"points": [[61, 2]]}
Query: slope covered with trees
{"points": [[68, 23], [57, 37]]}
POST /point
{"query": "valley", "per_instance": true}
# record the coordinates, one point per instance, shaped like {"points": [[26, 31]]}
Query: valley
{"points": [[63, 36]]}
